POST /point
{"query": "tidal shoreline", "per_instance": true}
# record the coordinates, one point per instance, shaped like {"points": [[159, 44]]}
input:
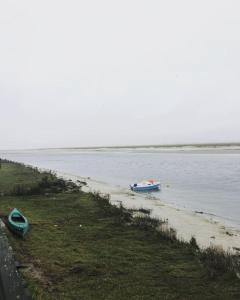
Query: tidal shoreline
{"points": [[187, 224], [189, 178]]}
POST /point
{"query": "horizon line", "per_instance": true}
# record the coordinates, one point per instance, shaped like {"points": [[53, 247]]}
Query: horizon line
{"points": [[132, 146]]}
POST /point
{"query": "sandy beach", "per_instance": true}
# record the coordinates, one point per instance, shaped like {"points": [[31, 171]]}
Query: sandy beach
{"points": [[208, 232]]}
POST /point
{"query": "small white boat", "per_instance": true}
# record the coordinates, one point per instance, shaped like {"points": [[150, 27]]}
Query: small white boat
{"points": [[149, 185]]}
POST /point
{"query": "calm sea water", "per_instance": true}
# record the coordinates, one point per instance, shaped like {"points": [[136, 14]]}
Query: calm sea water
{"points": [[207, 181]]}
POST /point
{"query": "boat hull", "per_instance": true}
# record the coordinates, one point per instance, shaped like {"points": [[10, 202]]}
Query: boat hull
{"points": [[18, 231], [19, 228], [154, 187]]}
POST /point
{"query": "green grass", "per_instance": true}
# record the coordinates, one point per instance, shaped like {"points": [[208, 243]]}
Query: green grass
{"points": [[19, 180], [80, 247], [13, 174]]}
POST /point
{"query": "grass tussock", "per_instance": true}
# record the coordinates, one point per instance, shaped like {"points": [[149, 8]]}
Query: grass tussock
{"points": [[120, 214], [144, 211], [193, 243], [146, 222], [167, 233], [218, 261]]}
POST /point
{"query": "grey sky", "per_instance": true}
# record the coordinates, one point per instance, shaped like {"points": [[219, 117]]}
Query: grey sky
{"points": [[86, 73]]}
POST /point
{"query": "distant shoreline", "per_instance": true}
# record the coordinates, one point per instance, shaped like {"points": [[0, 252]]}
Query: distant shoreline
{"points": [[204, 145], [194, 146]]}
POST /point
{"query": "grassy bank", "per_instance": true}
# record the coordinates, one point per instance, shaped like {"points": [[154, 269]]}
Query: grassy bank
{"points": [[81, 247]]}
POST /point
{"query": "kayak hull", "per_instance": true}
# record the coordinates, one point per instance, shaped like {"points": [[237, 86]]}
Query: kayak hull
{"points": [[18, 231], [17, 223]]}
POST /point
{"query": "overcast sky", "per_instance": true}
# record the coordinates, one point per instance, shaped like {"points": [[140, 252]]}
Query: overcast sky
{"points": [[90, 73]]}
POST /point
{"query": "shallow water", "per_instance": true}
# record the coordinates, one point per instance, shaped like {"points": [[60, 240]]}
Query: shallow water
{"points": [[203, 181]]}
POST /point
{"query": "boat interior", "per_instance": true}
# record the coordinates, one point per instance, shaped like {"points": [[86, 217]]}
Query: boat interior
{"points": [[18, 219]]}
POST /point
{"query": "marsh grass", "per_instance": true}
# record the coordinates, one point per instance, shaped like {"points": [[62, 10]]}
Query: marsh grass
{"points": [[193, 243], [121, 215], [80, 246], [146, 222], [144, 210], [218, 261], [25, 181]]}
